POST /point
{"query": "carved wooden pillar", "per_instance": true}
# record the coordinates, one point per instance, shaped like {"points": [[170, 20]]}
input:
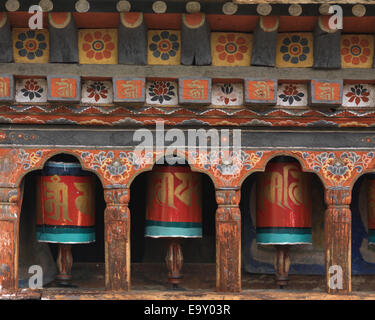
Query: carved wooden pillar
{"points": [[337, 239], [228, 240], [117, 239], [10, 207]]}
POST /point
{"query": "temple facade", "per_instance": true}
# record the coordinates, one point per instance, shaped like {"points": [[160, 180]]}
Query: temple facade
{"points": [[95, 80]]}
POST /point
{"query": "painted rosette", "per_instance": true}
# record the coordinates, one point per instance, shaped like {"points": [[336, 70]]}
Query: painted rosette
{"points": [[283, 205], [174, 203], [371, 210], [65, 204]]}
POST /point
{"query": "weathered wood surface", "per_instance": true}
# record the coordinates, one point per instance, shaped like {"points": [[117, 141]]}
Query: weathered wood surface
{"points": [[337, 237], [63, 41], [11, 199], [6, 49], [326, 48], [203, 295], [117, 239], [155, 71], [195, 42], [264, 47], [132, 41], [228, 241]]}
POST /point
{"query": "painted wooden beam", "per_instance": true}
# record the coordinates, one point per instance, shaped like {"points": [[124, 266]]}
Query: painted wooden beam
{"points": [[195, 40], [326, 45], [264, 45], [157, 71], [63, 38], [132, 39], [6, 51]]}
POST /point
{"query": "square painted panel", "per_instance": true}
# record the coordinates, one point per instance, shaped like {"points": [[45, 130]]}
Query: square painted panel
{"points": [[358, 95], [292, 95], [357, 51], [31, 90], [129, 89], [195, 90], [227, 94], [30, 46], [164, 47], [162, 92], [260, 91], [97, 46], [294, 50], [64, 88], [325, 92], [97, 92], [231, 49], [6, 87]]}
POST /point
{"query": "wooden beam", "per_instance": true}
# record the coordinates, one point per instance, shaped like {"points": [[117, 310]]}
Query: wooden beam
{"points": [[87, 70]]}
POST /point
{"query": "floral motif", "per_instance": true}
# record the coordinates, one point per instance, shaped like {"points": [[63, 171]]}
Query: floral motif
{"points": [[98, 45], [28, 160], [355, 50], [357, 94], [164, 45], [338, 168], [31, 44], [226, 167], [291, 94], [32, 89], [231, 47], [294, 49], [97, 90], [161, 91], [116, 168], [227, 90]]}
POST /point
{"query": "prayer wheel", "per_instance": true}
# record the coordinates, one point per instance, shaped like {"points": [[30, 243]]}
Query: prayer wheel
{"points": [[371, 210], [65, 210], [173, 211], [283, 215]]}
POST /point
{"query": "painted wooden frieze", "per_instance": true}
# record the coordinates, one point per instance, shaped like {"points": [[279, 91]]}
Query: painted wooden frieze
{"points": [[97, 46], [162, 92], [231, 49], [263, 92], [292, 95], [324, 92], [64, 88], [97, 92], [194, 90], [31, 90], [129, 89], [164, 47], [358, 95], [6, 87], [357, 51], [294, 50], [227, 94], [30, 46]]}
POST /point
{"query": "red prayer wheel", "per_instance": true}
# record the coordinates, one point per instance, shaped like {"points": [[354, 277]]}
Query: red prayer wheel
{"points": [[283, 204], [174, 203]]}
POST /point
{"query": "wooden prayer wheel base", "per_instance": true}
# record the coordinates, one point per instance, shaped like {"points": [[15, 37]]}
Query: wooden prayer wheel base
{"points": [[64, 264], [174, 261], [282, 265]]}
